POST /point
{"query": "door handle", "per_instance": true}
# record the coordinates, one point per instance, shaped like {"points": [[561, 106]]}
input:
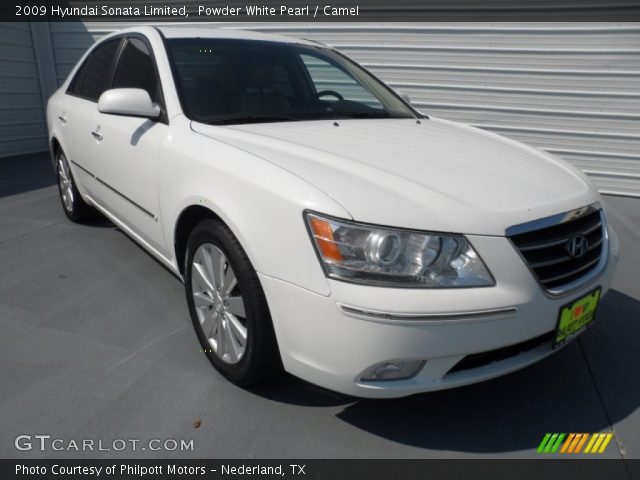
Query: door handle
{"points": [[96, 134], [62, 119]]}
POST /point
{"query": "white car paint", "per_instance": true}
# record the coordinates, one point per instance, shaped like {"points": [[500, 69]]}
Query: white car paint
{"points": [[259, 179], [442, 173]]}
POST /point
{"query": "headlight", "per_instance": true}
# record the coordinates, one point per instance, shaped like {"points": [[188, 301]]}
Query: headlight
{"points": [[395, 258]]}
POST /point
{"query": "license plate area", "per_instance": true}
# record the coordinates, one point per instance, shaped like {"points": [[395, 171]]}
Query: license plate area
{"points": [[576, 316]]}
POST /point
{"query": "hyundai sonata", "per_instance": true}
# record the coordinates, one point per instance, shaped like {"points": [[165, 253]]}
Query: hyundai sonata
{"points": [[321, 224]]}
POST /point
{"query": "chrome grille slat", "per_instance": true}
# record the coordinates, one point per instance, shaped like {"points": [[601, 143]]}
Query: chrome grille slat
{"points": [[548, 263], [596, 226], [559, 240], [595, 245], [577, 270], [545, 250], [542, 245]]}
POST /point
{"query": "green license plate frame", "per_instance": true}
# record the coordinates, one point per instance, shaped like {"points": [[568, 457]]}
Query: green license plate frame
{"points": [[576, 316]]}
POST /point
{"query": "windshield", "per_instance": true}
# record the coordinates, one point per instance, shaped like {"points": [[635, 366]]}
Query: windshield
{"points": [[231, 81]]}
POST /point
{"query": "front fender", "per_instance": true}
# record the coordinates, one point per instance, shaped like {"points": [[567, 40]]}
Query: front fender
{"points": [[260, 202]]}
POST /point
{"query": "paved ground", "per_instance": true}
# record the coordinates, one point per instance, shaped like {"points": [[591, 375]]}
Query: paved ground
{"points": [[96, 343]]}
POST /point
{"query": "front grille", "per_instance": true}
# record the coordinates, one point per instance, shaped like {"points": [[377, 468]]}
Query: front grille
{"points": [[547, 250]]}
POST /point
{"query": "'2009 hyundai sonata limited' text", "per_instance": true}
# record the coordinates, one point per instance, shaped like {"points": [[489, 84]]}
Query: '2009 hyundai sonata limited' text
{"points": [[321, 224]]}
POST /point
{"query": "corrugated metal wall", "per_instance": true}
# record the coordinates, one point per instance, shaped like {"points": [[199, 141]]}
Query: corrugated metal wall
{"points": [[572, 89], [22, 123]]}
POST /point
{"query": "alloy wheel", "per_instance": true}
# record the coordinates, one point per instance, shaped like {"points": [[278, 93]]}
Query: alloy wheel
{"points": [[218, 303], [66, 183]]}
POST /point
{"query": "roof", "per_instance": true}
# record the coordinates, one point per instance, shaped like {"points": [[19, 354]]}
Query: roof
{"points": [[214, 32]]}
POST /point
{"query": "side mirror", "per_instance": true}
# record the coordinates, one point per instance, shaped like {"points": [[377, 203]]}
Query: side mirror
{"points": [[405, 97], [132, 102]]}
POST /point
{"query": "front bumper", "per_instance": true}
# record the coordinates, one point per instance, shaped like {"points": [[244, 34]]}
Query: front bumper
{"points": [[330, 340]]}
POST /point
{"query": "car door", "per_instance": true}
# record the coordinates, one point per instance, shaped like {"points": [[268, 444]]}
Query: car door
{"points": [[128, 147], [79, 109]]}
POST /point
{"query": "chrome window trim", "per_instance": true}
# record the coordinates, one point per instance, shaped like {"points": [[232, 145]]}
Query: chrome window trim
{"points": [[554, 220]]}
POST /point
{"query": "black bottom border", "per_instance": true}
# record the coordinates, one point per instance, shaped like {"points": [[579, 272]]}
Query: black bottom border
{"points": [[561, 467]]}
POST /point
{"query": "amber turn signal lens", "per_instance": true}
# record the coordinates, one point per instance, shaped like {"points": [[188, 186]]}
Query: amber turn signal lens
{"points": [[324, 238]]}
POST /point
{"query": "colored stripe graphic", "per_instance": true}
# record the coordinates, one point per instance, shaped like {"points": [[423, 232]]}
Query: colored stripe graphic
{"points": [[543, 443], [556, 445], [576, 440], [581, 443], [597, 443], [567, 443], [594, 437], [606, 442], [551, 443]]}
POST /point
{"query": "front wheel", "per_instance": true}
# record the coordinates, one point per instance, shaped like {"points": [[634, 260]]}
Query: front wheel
{"points": [[75, 208], [228, 307]]}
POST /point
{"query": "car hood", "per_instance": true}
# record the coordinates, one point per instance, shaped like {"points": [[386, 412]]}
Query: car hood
{"points": [[433, 174]]}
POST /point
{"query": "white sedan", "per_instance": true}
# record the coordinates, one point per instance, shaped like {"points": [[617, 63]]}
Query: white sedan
{"points": [[321, 225]]}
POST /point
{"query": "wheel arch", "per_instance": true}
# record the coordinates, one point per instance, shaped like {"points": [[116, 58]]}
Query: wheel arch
{"points": [[189, 217], [54, 147]]}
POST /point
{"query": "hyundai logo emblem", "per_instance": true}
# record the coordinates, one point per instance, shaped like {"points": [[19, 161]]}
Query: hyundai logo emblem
{"points": [[577, 246]]}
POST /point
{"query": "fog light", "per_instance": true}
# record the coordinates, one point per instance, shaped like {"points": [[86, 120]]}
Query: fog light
{"points": [[392, 370]]}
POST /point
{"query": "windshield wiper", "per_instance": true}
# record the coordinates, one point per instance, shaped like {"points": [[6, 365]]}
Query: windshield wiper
{"points": [[252, 119]]}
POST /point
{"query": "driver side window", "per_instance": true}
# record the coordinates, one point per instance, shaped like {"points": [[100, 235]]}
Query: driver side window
{"points": [[327, 77], [93, 76], [135, 70]]}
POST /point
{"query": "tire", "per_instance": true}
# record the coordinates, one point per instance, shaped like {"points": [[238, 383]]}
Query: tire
{"points": [[75, 208], [222, 311]]}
